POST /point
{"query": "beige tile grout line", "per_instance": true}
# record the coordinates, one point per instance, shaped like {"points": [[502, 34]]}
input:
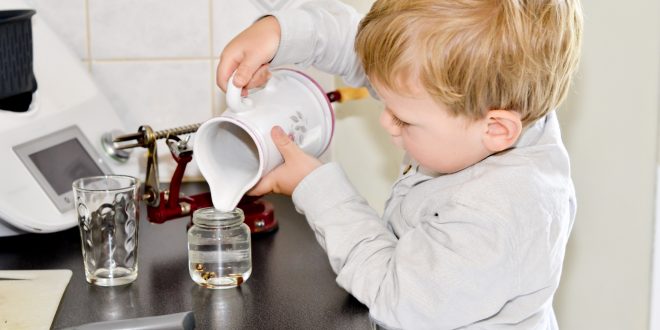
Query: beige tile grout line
{"points": [[149, 59], [212, 61], [88, 38]]}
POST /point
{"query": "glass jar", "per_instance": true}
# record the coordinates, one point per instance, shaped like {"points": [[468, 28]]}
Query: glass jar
{"points": [[219, 248]]}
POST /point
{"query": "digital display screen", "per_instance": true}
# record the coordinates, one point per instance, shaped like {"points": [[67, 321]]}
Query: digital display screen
{"points": [[64, 163]]}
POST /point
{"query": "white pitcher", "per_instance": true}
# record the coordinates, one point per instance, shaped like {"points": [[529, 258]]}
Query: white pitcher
{"points": [[235, 150]]}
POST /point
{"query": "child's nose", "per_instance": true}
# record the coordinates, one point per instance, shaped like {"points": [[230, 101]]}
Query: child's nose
{"points": [[388, 123]]}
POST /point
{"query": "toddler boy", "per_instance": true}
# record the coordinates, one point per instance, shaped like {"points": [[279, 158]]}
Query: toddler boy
{"points": [[475, 229]]}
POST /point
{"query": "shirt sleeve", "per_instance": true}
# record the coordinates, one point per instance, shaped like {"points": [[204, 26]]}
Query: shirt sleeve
{"points": [[434, 276], [321, 34]]}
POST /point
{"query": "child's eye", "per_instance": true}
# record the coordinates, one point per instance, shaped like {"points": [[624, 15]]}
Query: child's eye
{"points": [[398, 122]]}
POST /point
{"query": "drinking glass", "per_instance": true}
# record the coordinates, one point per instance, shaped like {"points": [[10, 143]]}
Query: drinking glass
{"points": [[108, 217]]}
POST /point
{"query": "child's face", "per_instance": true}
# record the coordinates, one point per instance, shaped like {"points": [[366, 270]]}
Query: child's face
{"points": [[429, 133]]}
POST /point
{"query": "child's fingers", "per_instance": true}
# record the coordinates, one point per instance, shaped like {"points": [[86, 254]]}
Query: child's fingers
{"points": [[284, 143], [259, 78], [262, 187], [246, 70], [226, 67]]}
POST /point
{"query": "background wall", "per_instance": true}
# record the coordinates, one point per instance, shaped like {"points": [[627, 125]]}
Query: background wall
{"points": [[156, 61], [361, 145], [610, 127]]}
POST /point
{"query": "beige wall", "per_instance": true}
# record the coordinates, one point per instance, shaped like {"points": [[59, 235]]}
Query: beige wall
{"points": [[362, 147], [610, 125]]}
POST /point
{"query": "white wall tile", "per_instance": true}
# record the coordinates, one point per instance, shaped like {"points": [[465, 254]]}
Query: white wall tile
{"points": [[67, 19], [163, 94], [149, 28]]}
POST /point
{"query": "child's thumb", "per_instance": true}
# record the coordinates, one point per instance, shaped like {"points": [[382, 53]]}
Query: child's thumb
{"points": [[283, 142]]}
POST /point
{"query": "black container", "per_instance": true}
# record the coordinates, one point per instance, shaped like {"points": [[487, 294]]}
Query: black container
{"points": [[17, 82]]}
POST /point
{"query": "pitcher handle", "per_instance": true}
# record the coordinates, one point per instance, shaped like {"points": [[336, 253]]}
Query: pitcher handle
{"points": [[235, 101]]}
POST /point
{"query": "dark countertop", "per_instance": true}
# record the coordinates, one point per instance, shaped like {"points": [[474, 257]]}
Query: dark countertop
{"points": [[291, 287]]}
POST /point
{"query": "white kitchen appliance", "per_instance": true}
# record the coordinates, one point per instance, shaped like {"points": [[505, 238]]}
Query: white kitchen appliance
{"points": [[56, 141]]}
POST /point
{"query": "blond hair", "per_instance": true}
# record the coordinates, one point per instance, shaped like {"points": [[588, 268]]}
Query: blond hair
{"points": [[475, 55]]}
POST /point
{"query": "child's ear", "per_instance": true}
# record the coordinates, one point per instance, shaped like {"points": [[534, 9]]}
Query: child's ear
{"points": [[503, 127]]}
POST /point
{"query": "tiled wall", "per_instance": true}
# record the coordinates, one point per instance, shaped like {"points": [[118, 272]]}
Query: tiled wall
{"points": [[155, 60]]}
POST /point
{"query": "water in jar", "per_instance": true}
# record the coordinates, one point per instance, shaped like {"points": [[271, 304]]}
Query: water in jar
{"points": [[219, 258]]}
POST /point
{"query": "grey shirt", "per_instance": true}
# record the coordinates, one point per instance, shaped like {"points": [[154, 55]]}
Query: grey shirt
{"points": [[480, 248]]}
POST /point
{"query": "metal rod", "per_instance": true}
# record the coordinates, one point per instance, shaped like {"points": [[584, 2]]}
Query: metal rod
{"points": [[128, 146], [187, 129], [127, 137], [143, 137]]}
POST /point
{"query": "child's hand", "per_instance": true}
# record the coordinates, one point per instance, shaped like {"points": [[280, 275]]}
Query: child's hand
{"points": [[285, 178], [248, 54]]}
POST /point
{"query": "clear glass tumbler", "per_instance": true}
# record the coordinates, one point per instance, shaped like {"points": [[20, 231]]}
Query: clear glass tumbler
{"points": [[108, 217], [219, 248]]}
